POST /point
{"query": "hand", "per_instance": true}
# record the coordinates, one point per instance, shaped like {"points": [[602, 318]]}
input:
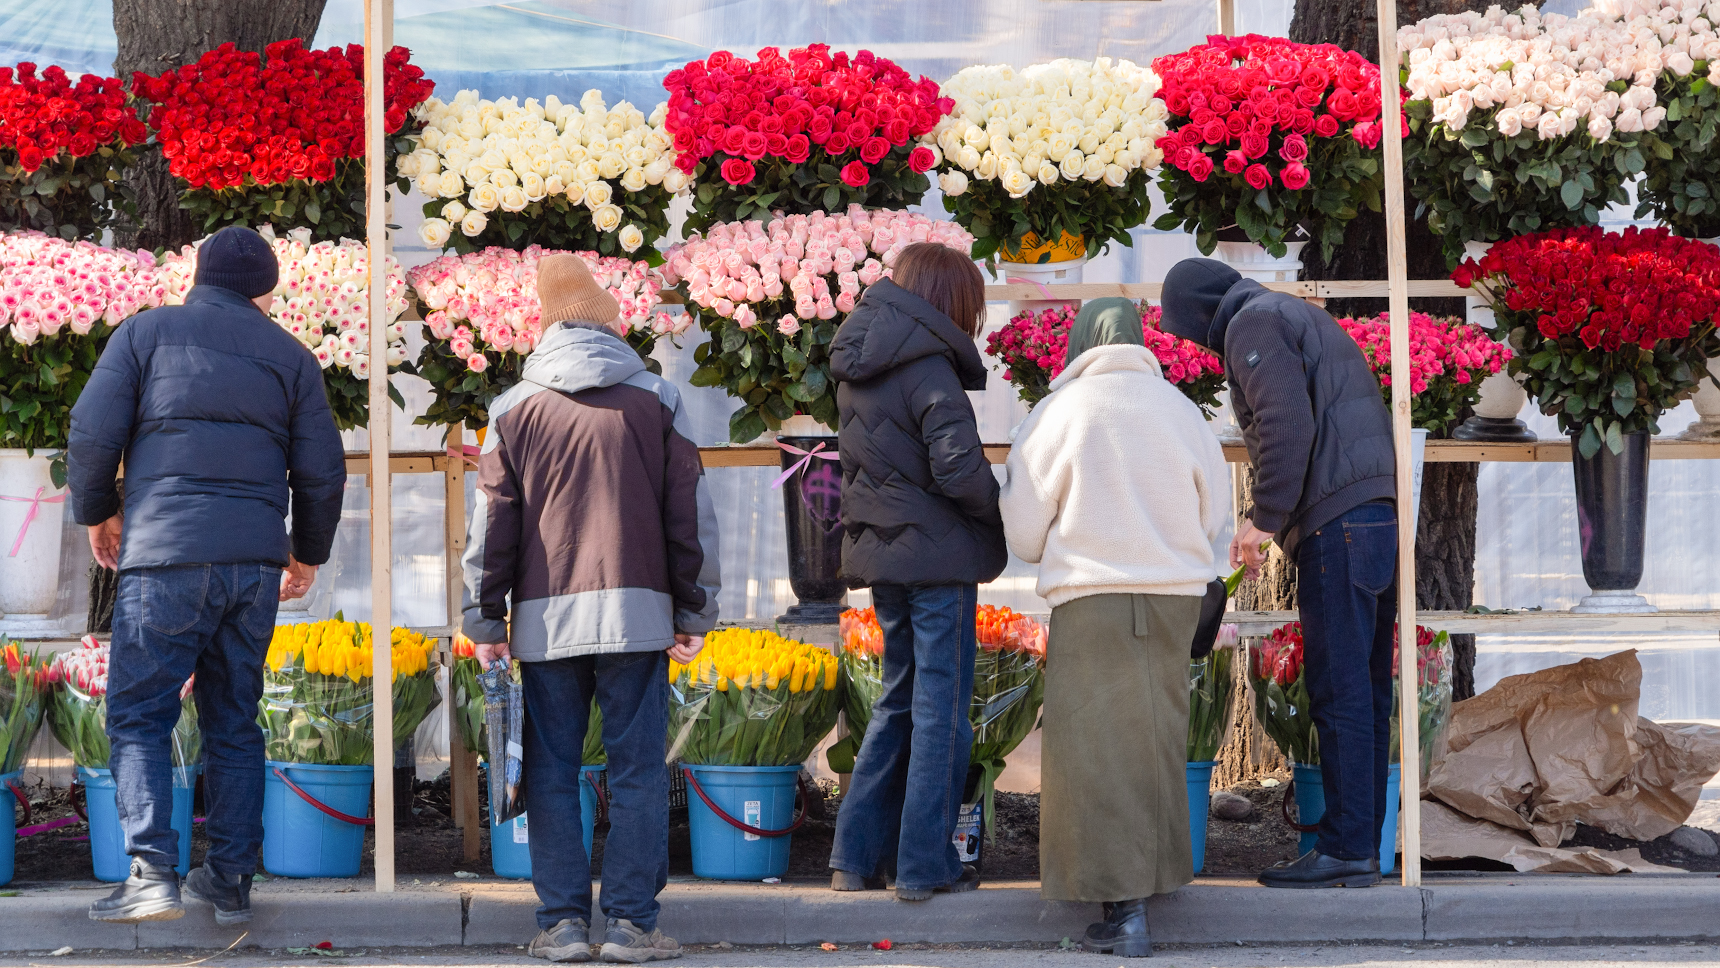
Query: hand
{"points": [[104, 542], [488, 652], [686, 648], [296, 579], [1248, 549]]}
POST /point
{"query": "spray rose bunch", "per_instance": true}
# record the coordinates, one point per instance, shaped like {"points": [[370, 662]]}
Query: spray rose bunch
{"points": [[565, 176], [1448, 359], [64, 148], [771, 296], [1032, 347], [322, 299], [808, 132], [1066, 146], [482, 318], [1269, 135]]}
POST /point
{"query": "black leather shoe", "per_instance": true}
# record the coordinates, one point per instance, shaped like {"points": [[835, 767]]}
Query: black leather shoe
{"points": [[230, 893], [150, 894], [968, 881], [1315, 869], [1123, 933]]}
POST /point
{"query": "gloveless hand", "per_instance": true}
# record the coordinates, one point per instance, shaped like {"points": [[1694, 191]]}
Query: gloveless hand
{"points": [[104, 541], [296, 579], [686, 648], [1248, 549]]}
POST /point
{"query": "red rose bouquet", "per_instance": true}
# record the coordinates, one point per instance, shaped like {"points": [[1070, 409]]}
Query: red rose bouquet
{"points": [[1611, 329], [808, 132], [1448, 359], [64, 148], [1032, 346], [277, 137], [1268, 135]]}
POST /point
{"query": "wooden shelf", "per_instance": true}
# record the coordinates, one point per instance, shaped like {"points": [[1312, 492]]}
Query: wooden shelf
{"points": [[1345, 289], [1261, 623]]}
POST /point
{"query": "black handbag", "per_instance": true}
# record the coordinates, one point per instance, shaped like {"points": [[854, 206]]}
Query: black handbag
{"points": [[1211, 619]]}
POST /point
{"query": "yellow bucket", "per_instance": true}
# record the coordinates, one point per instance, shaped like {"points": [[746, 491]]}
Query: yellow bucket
{"points": [[1036, 251]]}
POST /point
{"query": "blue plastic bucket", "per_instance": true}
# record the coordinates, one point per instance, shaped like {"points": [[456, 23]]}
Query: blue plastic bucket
{"points": [[107, 838], [301, 841], [1199, 805], [8, 826], [510, 843], [759, 796], [1311, 806]]}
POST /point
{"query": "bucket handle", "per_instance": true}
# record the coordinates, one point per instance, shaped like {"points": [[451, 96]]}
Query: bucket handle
{"points": [[325, 808], [602, 801], [23, 800], [77, 798], [805, 798], [1284, 808]]}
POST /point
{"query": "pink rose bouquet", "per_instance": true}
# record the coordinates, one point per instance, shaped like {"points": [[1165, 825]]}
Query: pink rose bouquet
{"points": [[1032, 347], [771, 295], [482, 318], [1448, 360]]}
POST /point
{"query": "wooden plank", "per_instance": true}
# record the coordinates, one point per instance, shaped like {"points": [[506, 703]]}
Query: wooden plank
{"points": [[462, 763], [397, 464], [1098, 290], [1227, 17], [1674, 621], [1366, 288]]}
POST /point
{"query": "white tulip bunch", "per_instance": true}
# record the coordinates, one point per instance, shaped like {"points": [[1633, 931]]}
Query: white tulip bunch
{"points": [[484, 161]]}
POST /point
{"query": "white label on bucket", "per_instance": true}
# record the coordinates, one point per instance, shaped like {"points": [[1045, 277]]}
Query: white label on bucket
{"points": [[520, 829], [751, 817]]}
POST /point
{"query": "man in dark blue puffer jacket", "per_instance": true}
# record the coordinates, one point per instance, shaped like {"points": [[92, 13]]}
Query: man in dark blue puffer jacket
{"points": [[220, 417]]}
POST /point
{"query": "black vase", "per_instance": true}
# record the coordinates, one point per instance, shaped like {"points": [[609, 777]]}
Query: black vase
{"points": [[1612, 523], [812, 516]]}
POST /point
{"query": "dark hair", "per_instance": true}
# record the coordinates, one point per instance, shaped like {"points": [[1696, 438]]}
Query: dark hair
{"points": [[947, 279]]}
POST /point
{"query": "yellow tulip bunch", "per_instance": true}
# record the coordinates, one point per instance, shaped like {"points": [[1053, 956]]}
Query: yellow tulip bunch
{"points": [[752, 698], [317, 696]]}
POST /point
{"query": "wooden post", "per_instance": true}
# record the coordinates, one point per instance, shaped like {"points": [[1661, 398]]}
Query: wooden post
{"points": [[1397, 275], [1227, 17], [378, 26], [462, 762]]}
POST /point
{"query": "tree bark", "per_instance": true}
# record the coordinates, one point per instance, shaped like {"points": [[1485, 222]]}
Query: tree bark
{"points": [[159, 35], [1445, 556], [1249, 753]]}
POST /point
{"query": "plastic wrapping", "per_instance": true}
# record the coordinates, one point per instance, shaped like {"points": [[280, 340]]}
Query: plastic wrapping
{"points": [[24, 684], [752, 698], [77, 709], [1211, 688], [1281, 694], [1433, 672], [318, 704], [469, 708]]}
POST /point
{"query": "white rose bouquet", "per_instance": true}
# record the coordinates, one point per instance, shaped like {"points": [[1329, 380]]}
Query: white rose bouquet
{"points": [[323, 302], [563, 176], [1521, 122], [1061, 148]]}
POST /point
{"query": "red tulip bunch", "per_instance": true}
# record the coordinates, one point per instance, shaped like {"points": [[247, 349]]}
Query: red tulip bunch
{"points": [[743, 129], [236, 122], [1272, 120], [71, 137], [1614, 328], [1448, 359]]}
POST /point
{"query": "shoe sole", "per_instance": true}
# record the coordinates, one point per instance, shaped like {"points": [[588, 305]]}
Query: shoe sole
{"points": [[223, 918], [572, 954], [1122, 949], [1354, 880], [959, 887], [620, 954], [910, 894], [155, 911]]}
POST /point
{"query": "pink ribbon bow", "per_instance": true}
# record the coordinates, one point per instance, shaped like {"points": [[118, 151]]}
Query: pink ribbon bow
{"points": [[465, 452], [806, 457], [30, 516]]}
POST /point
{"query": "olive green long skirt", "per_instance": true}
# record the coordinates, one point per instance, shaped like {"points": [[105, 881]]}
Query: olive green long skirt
{"points": [[1113, 821]]}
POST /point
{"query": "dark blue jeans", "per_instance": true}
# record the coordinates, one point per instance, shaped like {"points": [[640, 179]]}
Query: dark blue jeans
{"points": [[215, 621], [1346, 588], [906, 793], [632, 690]]}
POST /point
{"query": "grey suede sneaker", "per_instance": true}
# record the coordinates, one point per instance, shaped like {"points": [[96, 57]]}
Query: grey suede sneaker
{"points": [[150, 894], [628, 944], [566, 942]]}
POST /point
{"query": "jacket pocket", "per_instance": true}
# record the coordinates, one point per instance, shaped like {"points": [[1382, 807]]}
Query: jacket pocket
{"points": [[173, 598], [259, 617], [1372, 550]]}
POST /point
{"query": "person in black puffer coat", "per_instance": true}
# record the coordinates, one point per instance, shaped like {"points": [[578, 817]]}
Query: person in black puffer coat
{"points": [[919, 506]]}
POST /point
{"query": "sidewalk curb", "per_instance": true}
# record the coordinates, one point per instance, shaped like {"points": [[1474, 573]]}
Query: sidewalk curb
{"points": [[1479, 909]]}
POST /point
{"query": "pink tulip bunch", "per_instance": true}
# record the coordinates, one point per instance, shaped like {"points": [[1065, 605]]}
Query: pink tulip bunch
{"points": [[798, 268], [49, 285], [1448, 360]]}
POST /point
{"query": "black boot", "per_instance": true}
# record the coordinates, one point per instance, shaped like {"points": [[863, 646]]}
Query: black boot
{"points": [[1124, 931], [150, 894], [230, 893], [1315, 869]]}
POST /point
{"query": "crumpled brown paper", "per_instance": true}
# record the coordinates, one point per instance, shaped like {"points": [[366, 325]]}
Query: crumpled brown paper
{"points": [[1539, 752], [1449, 835]]}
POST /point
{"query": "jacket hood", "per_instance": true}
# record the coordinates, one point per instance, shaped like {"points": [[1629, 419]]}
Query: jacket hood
{"points": [[1195, 292], [1109, 358], [891, 328], [580, 356]]}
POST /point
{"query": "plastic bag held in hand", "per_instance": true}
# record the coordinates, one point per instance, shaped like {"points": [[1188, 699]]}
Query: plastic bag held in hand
{"points": [[498, 685]]}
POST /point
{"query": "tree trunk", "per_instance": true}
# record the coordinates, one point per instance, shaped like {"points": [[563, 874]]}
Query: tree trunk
{"points": [[1249, 753], [1445, 556], [159, 35]]}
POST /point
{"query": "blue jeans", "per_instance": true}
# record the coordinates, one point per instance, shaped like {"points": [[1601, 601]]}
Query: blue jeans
{"points": [[215, 621], [906, 792], [632, 690], [1346, 587]]}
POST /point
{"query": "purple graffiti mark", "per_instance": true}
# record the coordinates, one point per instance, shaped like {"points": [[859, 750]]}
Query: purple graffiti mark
{"points": [[821, 495]]}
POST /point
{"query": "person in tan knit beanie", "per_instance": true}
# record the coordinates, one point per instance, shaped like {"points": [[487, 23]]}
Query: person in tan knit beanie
{"points": [[569, 294]]}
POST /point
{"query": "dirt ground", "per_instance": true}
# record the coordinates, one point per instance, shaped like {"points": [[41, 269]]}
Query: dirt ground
{"points": [[430, 844]]}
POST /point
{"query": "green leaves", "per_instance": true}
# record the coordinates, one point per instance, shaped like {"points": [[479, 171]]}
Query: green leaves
{"points": [[73, 198], [40, 383], [1680, 179], [814, 185], [773, 375]]}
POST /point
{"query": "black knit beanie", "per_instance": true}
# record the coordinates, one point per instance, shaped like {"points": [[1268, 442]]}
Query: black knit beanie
{"points": [[237, 258], [1193, 290]]}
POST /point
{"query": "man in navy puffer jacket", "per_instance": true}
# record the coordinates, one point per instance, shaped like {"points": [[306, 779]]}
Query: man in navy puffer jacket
{"points": [[220, 417]]}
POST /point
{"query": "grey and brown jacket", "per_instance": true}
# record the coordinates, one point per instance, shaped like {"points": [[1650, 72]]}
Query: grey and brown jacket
{"points": [[593, 513]]}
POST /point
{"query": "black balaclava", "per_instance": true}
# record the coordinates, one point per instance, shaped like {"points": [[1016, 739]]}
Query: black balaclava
{"points": [[1194, 288]]}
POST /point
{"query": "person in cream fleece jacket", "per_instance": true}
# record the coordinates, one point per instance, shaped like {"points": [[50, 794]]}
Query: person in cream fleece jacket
{"points": [[1117, 489]]}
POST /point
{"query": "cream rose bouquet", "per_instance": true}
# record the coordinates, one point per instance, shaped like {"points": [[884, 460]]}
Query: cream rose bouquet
{"points": [[1522, 122], [1064, 147], [322, 300], [482, 318], [563, 176]]}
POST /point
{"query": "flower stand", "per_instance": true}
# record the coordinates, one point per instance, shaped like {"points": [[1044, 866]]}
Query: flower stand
{"points": [[1707, 403], [1254, 262], [1612, 522], [32, 511], [1040, 263]]}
